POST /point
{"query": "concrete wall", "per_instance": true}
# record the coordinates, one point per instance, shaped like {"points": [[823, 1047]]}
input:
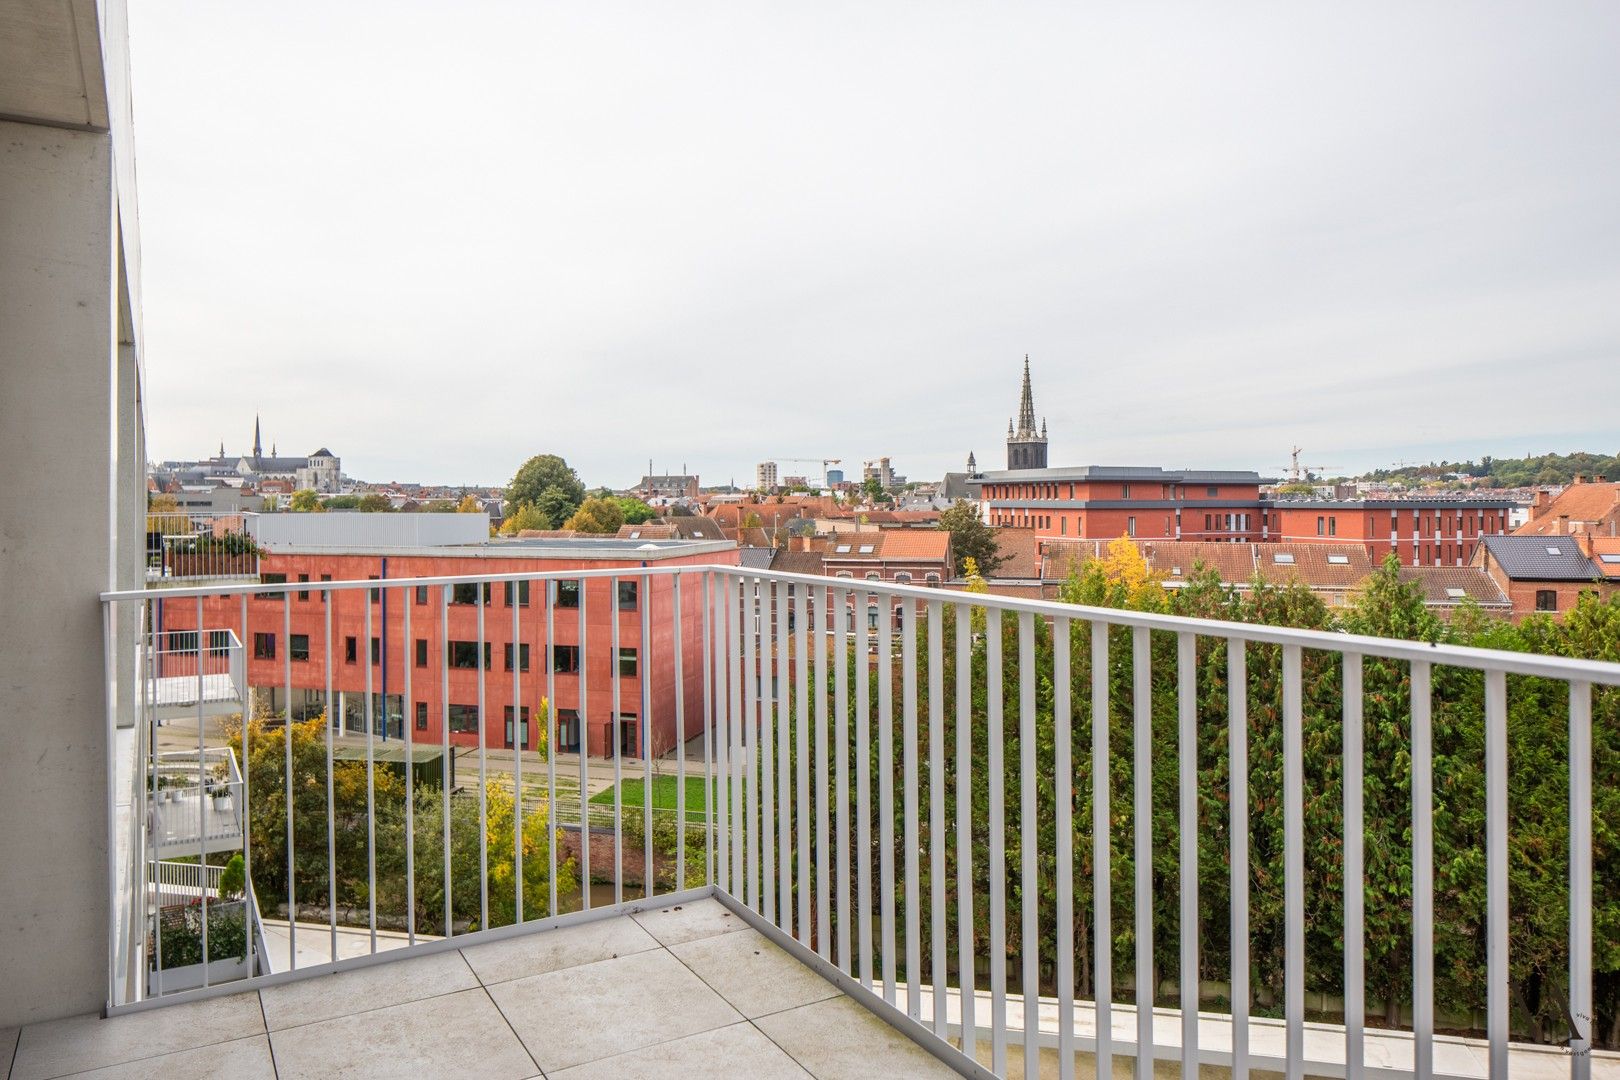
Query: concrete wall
{"points": [[351, 529], [59, 389]]}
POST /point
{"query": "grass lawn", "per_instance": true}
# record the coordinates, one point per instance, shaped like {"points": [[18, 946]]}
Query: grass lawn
{"points": [[663, 795]]}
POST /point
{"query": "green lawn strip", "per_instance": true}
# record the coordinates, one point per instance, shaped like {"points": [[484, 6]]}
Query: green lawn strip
{"points": [[664, 789]]}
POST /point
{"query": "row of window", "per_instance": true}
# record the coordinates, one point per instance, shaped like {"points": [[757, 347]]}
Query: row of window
{"points": [[463, 720], [467, 593], [1096, 491], [459, 654]]}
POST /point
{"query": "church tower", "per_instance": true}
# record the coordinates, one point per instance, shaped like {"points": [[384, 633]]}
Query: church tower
{"points": [[258, 449], [1026, 446]]}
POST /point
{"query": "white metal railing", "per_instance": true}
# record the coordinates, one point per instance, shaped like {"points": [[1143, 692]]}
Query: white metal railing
{"points": [[883, 795], [186, 545], [180, 883]]}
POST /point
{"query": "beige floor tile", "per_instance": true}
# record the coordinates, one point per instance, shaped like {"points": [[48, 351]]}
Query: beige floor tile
{"points": [[739, 1051], [243, 1059], [322, 997], [456, 1035], [593, 1011], [836, 1039], [688, 922], [81, 1043], [553, 950], [755, 976]]}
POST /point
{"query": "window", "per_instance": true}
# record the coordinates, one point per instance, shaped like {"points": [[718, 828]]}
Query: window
{"points": [[1212, 492], [567, 731], [273, 579], [1609, 559], [421, 652], [1209, 523], [628, 726], [298, 647], [376, 651], [873, 575], [565, 659], [627, 595], [1554, 551], [568, 593], [902, 578], [842, 549], [844, 574], [871, 617], [1175, 571], [522, 593], [326, 594], [931, 580], [376, 593], [1321, 525], [1124, 491], [303, 594], [219, 642], [421, 716], [867, 549], [421, 594], [1130, 526], [525, 721], [1455, 593], [523, 656], [264, 646], [627, 663], [464, 654], [467, 592], [350, 650], [1339, 560], [464, 719], [182, 641], [1546, 600], [1283, 558], [1333, 526]]}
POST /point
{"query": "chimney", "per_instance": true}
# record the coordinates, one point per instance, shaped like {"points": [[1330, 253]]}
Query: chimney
{"points": [[1563, 525], [1539, 503], [1600, 479], [1579, 479]]}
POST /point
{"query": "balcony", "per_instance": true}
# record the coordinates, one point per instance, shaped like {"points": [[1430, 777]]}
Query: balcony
{"points": [[196, 546], [867, 803]]}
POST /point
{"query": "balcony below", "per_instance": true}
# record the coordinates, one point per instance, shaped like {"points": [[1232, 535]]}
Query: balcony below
{"points": [[685, 990]]}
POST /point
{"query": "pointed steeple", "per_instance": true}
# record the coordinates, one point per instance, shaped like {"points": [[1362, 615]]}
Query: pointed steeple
{"points": [[1026, 404], [258, 448], [973, 466]]}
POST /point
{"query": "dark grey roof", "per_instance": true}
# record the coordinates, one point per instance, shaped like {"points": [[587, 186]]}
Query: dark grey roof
{"points": [[1124, 472], [756, 558], [1541, 558], [323, 452]]}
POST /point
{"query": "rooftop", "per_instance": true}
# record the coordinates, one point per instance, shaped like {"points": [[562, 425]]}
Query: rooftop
{"points": [[1541, 558]]}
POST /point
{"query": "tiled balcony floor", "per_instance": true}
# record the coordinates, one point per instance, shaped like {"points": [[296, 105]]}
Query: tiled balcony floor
{"points": [[684, 991]]}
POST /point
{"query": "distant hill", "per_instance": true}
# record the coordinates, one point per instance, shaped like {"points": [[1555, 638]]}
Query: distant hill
{"points": [[1504, 472]]}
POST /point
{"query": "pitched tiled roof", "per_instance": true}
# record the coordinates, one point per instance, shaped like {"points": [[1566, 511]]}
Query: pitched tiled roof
{"points": [[1450, 585], [1581, 503], [1177, 559], [1606, 555], [647, 531], [914, 544], [1020, 553], [1540, 558], [1321, 566], [798, 562]]}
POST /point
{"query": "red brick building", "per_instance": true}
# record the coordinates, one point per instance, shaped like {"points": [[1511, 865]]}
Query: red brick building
{"points": [[1152, 504], [1585, 506], [1541, 574], [441, 651], [1432, 531]]}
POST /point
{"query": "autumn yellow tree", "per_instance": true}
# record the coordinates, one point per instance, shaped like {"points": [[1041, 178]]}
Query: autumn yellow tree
{"points": [[1119, 579], [469, 504]]}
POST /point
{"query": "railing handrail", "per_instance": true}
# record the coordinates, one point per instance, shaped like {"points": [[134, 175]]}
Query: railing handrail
{"points": [[1464, 656]]}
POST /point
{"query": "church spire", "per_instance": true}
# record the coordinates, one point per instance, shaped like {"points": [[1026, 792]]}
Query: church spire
{"points": [[1026, 405], [258, 448]]}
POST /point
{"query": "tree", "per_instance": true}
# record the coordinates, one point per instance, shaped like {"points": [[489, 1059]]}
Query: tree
{"points": [[634, 510], [596, 515], [305, 501], [375, 503], [527, 517], [343, 502], [469, 504], [873, 487], [752, 521], [536, 482], [439, 506], [971, 538]]}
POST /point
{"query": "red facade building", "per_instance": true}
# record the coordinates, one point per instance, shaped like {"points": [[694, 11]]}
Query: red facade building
{"points": [[436, 674]]}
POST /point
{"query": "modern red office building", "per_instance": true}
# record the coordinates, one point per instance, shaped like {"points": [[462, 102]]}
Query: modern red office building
{"points": [[290, 658]]}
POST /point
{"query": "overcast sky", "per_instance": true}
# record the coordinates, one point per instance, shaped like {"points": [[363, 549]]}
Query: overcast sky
{"points": [[441, 237]]}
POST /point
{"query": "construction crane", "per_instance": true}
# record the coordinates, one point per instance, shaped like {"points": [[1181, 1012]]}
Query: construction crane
{"points": [[1299, 474], [824, 462]]}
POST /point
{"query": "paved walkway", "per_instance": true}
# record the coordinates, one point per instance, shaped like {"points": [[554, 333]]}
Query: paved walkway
{"points": [[690, 990]]}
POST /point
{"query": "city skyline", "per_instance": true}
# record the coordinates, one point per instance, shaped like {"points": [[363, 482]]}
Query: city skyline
{"points": [[1217, 234]]}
